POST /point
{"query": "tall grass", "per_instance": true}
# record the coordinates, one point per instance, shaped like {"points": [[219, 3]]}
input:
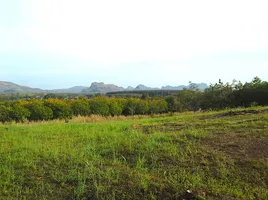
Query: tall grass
{"points": [[116, 158]]}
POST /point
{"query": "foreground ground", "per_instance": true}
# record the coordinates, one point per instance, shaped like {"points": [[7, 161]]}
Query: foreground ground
{"points": [[217, 155]]}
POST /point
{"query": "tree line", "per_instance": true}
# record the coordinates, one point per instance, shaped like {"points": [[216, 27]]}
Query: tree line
{"points": [[221, 95], [218, 96], [49, 109]]}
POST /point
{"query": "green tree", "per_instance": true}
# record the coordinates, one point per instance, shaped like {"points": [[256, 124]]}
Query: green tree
{"points": [[217, 96], [61, 110], [254, 92], [193, 86], [50, 96], [38, 111], [145, 96], [130, 106], [142, 107], [189, 99], [5, 113], [173, 104], [158, 106], [80, 107], [19, 113], [99, 106], [115, 107]]}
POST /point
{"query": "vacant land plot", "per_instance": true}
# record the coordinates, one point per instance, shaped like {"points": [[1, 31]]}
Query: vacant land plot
{"points": [[216, 155]]}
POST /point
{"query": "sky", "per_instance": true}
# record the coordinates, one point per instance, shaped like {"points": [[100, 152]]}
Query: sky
{"points": [[63, 43]]}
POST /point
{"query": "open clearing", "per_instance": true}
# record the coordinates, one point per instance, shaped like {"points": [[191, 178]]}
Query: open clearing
{"points": [[212, 155]]}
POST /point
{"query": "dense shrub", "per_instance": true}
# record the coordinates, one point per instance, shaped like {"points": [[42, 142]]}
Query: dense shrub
{"points": [[38, 111], [130, 106], [173, 104], [115, 107], [158, 106], [142, 107], [5, 113], [189, 100], [218, 96], [80, 107], [61, 110], [19, 113], [99, 106]]}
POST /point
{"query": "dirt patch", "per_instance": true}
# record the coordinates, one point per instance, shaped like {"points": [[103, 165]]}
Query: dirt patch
{"points": [[258, 148], [166, 127], [239, 145], [235, 113], [189, 195]]}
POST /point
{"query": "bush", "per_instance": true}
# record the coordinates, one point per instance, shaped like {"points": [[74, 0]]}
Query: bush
{"points": [[130, 106], [157, 106], [173, 104], [19, 113], [115, 107], [61, 110], [99, 106], [5, 113], [38, 111], [80, 107], [142, 107]]}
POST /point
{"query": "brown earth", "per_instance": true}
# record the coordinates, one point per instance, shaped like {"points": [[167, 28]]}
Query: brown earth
{"points": [[239, 145], [234, 113]]}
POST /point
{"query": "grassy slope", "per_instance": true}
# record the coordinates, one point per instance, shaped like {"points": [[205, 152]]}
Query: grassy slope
{"points": [[213, 155]]}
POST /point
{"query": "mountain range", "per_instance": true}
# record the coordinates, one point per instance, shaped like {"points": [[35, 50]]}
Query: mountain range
{"points": [[12, 88], [200, 86]]}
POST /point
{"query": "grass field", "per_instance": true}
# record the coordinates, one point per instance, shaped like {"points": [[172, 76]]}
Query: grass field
{"points": [[213, 155]]}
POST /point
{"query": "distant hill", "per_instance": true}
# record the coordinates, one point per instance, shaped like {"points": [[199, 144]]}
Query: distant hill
{"points": [[102, 88], [74, 90], [139, 93], [129, 88], [200, 86], [168, 87], [143, 87], [12, 88]]}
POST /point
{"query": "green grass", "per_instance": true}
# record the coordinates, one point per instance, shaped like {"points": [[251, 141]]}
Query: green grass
{"points": [[216, 156]]}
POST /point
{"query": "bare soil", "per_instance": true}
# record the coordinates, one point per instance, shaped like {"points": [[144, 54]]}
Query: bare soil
{"points": [[234, 113], [239, 145]]}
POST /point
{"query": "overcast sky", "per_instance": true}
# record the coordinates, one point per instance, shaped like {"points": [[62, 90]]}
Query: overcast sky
{"points": [[62, 43]]}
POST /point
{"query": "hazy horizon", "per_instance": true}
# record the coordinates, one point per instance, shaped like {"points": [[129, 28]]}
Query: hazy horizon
{"points": [[51, 44]]}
